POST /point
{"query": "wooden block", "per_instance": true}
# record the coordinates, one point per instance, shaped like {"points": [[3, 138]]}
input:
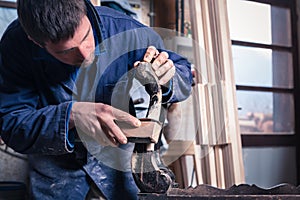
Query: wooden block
{"points": [[148, 132]]}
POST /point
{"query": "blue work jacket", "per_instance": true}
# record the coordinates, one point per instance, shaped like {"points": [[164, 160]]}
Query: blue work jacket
{"points": [[36, 96]]}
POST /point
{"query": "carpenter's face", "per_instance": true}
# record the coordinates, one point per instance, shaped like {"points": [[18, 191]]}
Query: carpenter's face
{"points": [[79, 50]]}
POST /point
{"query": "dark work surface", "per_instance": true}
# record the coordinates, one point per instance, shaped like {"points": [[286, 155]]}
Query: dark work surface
{"points": [[243, 191]]}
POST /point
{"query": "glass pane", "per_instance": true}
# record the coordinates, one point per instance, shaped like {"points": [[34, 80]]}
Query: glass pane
{"points": [[265, 112], [7, 15], [259, 23], [262, 67], [281, 26], [262, 163]]}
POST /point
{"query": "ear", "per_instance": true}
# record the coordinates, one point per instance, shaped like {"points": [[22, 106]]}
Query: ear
{"points": [[30, 38]]}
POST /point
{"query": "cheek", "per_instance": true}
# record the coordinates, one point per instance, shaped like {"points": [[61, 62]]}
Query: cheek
{"points": [[89, 48], [90, 45]]}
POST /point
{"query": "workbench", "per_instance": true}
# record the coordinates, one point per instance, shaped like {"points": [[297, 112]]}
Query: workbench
{"points": [[236, 192]]}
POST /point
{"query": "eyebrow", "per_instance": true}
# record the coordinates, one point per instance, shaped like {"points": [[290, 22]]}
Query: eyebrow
{"points": [[70, 49]]}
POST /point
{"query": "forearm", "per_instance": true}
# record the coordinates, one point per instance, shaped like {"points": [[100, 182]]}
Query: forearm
{"points": [[40, 131]]}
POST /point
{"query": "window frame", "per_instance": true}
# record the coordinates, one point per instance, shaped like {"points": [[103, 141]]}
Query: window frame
{"points": [[260, 139], [8, 4]]}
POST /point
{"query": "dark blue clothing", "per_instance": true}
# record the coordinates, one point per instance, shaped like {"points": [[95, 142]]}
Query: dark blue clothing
{"points": [[36, 95]]}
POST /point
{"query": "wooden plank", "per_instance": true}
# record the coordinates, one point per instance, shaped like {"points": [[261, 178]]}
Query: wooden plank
{"points": [[201, 120], [233, 131], [184, 174], [220, 166], [211, 162], [216, 97], [229, 167], [148, 131], [176, 157], [180, 147], [197, 165], [176, 168]]}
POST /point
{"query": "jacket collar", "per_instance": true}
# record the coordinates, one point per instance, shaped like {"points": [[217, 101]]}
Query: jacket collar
{"points": [[95, 21]]}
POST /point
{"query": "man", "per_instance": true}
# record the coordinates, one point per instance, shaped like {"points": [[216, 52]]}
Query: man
{"points": [[64, 83]]}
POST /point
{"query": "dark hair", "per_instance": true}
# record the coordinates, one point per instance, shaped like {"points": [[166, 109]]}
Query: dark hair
{"points": [[50, 20]]}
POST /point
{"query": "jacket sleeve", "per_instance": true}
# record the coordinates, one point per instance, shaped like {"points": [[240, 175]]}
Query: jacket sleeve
{"points": [[25, 126]]}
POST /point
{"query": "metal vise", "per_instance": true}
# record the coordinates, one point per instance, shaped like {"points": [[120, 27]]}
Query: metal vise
{"points": [[149, 177]]}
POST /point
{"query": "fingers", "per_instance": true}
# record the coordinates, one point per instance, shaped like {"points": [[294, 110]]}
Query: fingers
{"points": [[104, 141], [122, 116], [115, 133], [150, 54], [169, 73], [163, 67], [107, 115], [110, 138], [98, 121], [160, 60]]}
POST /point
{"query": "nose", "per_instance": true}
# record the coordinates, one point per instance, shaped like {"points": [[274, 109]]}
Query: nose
{"points": [[84, 52]]}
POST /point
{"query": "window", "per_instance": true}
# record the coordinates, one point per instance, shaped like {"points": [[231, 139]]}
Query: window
{"points": [[265, 63]]}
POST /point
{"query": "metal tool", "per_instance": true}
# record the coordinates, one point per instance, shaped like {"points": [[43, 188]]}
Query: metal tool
{"points": [[149, 177]]}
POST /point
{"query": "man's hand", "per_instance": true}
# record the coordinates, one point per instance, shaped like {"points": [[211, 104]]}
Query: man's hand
{"points": [[161, 64], [98, 121]]}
